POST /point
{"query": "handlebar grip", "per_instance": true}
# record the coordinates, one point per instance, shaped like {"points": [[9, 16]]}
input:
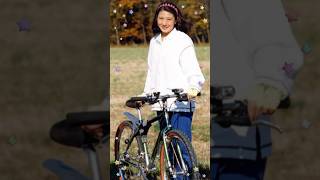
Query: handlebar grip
{"points": [[285, 104]]}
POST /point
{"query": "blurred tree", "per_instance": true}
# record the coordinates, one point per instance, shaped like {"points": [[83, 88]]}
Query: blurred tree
{"points": [[131, 20], [197, 13]]}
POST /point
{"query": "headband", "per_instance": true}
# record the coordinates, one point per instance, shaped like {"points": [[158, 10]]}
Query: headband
{"points": [[168, 5]]}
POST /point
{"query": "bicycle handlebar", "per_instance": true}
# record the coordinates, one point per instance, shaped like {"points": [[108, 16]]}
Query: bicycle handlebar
{"points": [[236, 112], [231, 114], [136, 102]]}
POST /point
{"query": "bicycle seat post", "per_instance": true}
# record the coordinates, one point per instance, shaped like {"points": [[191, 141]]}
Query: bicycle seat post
{"points": [[93, 161], [139, 114]]}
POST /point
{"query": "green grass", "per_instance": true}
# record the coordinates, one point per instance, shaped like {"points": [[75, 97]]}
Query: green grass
{"points": [[125, 54]]}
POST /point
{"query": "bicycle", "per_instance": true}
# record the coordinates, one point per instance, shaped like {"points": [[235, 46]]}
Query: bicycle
{"points": [[132, 158], [234, 112]]}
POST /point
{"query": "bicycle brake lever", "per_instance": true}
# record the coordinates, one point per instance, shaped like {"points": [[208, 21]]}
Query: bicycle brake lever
{"points": [[269, 124]]}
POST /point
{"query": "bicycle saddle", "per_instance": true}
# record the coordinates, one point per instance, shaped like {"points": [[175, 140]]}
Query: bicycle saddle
{"points": [[134, 104], [69, 132]]}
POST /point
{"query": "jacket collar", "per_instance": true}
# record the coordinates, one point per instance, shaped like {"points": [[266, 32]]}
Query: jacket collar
{"points": [[168, 37]]}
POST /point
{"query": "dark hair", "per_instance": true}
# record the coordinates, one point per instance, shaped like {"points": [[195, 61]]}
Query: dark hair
{"points": [[181, 24]]}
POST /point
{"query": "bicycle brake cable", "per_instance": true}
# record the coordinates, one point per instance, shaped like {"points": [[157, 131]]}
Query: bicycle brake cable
{"points": [[269, 124]]}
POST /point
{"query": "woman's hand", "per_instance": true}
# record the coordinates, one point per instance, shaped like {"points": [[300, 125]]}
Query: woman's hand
{"points": [[192, 93], [263, 99]]}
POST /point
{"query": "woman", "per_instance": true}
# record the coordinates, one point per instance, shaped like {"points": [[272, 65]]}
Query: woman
{"points": [[172, 64]]}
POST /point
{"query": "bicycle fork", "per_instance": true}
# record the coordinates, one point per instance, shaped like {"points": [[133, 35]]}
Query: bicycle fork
{"points": [[167, 154], [177, 154], [165, 143]]}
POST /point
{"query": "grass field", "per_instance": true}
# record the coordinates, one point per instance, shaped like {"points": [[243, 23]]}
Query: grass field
{"points": [[127, 78]]}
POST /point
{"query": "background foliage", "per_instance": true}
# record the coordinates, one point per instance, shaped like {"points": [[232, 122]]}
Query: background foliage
{"points": [[131, 20]]}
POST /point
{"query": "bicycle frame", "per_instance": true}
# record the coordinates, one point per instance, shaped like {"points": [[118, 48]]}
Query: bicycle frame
{"points": [[141, 129]]}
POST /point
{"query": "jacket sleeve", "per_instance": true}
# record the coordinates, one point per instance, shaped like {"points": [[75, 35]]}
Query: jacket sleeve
{"points": [[275, 54], [190, 67]]}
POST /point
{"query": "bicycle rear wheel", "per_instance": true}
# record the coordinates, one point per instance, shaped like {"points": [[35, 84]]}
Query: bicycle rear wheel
{"points": [[181, 157], [128, 160]]}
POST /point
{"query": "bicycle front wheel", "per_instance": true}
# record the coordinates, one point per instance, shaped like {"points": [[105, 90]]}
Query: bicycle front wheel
{"points": [[177, 158], [128, 156]]}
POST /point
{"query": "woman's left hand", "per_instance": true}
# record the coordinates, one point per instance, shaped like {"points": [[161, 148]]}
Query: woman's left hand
{"points": [[263, 100], [192, 93]]}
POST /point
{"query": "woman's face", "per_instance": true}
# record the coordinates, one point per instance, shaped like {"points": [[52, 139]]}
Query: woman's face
{"points": [[165, 22]]}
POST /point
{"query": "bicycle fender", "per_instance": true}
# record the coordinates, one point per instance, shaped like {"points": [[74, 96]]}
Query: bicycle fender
{"points": [[135, 121]]}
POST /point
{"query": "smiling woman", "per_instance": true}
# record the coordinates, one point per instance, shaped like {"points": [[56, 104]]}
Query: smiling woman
{"points": [[167, 17], [166, 22]]}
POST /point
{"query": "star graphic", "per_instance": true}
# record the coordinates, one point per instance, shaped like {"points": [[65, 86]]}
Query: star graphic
{"points": [[288, 69], [12, 140], [117, 69], [23, 25], [205, 20], [306, 48]]}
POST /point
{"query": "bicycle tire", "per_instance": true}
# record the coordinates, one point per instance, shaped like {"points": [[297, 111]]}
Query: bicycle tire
{"points": [[126, 170], [174, 138]]}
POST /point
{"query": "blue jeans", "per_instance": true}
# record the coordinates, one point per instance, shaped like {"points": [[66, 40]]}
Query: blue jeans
{"points": [[237, 169], [181, 121]]}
